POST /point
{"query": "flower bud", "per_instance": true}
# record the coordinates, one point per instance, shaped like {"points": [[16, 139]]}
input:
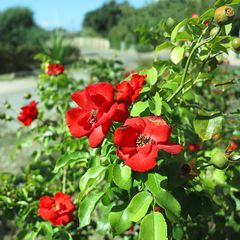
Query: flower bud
{"points": [[7, 105], [236, 44], [9, 118], [223, 15], [27, 95]]}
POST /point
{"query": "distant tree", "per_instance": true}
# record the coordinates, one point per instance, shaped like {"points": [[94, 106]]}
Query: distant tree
{"points": [[13, 25], [104, 18], [20, 39]]}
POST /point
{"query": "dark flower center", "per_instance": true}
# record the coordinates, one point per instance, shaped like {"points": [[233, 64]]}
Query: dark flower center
{"points": [[93, 117], [59, 207], [143, 140]]}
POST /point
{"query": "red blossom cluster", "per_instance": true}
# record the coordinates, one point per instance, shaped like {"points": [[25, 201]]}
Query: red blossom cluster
{"points": [[58, 209], [138, 140], [55, 69]]}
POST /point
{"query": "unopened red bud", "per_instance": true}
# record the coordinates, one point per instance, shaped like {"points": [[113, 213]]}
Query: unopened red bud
{"points": [[223, 15], [157, 209]]}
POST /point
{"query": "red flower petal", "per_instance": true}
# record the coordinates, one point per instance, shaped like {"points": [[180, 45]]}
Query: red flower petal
{"points": [[98, 134], [74, 118], [170, 148], [144, 159], [157, 128]]}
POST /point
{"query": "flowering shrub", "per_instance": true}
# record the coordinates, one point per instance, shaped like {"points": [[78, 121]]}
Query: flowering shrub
{"points": [[128, 153], [28, 113]]}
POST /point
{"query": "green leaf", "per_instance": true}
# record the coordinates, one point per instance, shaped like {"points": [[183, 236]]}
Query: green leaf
{"points": [[138, 206], [87, 207], [153, 227], [163, 46], [70, 158], [138, 108], [163, 198], [228, 28], [155, 104], [206, 128], [177, 54], [90, 177], [220, 3], [47, 229], [119, 222], [177, 28], [151, 75], [122, 176], [233, 2], [183, 36], [6, 199]]}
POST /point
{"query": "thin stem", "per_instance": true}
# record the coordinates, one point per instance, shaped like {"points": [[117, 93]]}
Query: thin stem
{"points": [[197, 46], [64, 179]]}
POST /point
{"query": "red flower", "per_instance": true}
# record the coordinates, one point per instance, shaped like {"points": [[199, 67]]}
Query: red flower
{"points": [[206, 22], [127, 74], [129, 91], [140, 139], [55, 69], [58, 209], [232, 146], [192, 147], [28, 113], [157, 209], [195, 15], [95, 112]]}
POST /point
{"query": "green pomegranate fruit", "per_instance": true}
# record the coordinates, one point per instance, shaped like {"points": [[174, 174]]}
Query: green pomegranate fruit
{"points": [[236, 44], [223, 15], [218, 158]]}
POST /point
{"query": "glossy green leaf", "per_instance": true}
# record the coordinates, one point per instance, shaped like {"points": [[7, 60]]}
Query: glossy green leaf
{"points": [[138, 108], [139, 206], [177, 28], [163, 46], [155, 104], [177, 54], [152, 75], [119, 222], [153, 227], [206, 128], [122, 176], [163, 198], [87, 207], [90, 177], [70, 158]]}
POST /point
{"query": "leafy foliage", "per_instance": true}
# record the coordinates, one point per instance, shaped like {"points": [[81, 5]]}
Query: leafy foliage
{"points": [[191, 195]]}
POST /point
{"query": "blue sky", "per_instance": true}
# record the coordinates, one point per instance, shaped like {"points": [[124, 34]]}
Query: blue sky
{"points": [[66, 13]]}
